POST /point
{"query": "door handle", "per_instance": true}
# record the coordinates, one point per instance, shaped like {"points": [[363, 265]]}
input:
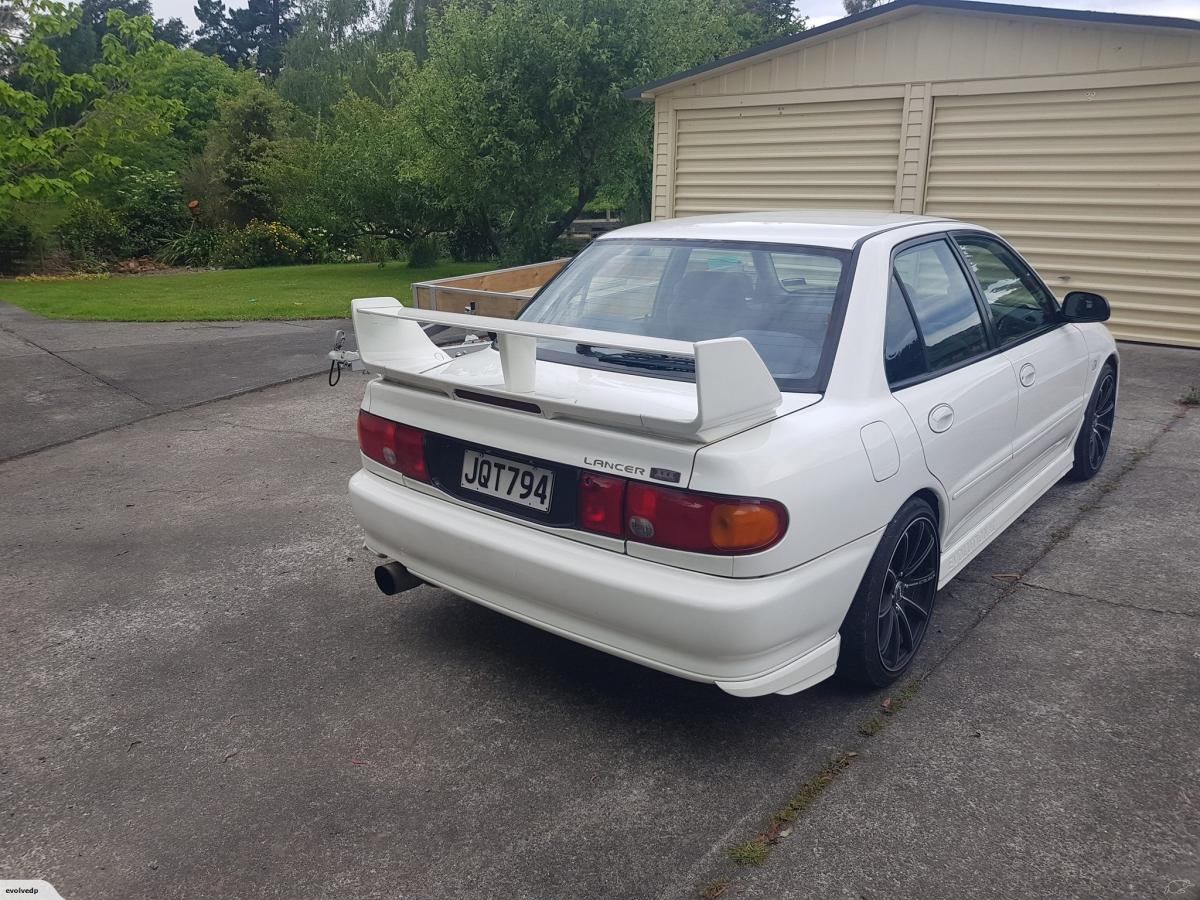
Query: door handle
{"points": [[1028, 375], [941, 417]]}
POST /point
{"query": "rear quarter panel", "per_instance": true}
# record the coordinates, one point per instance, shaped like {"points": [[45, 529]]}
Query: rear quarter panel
{"points": [[814, 462]]}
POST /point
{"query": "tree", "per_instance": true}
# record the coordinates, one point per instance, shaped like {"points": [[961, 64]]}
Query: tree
{"points": [[520, 109], [770, 19], [360, 180], [56, 128], [241, 143], [216, 35], [854, 7], [173, 32], [266, 26]]}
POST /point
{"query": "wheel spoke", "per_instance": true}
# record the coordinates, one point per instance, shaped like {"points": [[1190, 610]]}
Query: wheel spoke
{"points": [[916, 607], [885, 638], [924, 579], [929, 545], [905, 627]]}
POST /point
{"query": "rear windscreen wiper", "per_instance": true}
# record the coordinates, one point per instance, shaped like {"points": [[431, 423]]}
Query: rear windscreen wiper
{"points": [[660, 361]]}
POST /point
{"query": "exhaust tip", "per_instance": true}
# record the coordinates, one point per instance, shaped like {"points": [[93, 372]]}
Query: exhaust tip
{"points": [[393, 579]]}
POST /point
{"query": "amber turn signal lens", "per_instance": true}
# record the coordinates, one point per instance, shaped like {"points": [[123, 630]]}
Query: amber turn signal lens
{"points": [[744, 526]]}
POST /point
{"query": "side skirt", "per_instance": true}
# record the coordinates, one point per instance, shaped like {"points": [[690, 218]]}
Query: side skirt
{"points": [[966, 548]]}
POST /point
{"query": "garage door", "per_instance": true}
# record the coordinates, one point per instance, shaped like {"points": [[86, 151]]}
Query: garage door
{"points": [[1099, 188], [835, 155]]}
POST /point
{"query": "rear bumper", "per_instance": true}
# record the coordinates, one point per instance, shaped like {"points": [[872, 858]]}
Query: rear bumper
{"points": [[752, 636]]}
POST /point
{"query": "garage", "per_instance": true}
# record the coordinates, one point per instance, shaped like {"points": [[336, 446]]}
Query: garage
{"points": [[1075, 134]]}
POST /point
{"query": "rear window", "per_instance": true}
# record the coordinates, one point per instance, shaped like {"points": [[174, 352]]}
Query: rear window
{"points": [[781, 299]]}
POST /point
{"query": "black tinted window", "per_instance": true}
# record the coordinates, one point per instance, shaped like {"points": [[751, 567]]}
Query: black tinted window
{"points": [[944, 305], [1020, 305], [903, 356]]}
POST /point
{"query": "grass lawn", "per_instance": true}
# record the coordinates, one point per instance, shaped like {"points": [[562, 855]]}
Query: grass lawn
{"points": [[285, 292]]}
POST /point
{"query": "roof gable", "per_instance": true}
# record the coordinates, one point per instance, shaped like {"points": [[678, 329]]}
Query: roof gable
{"points": [[972, 14]]}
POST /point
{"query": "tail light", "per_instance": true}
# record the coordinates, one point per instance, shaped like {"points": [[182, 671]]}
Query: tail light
{"points": [[399, 447], [681, 520], [602, 504]]}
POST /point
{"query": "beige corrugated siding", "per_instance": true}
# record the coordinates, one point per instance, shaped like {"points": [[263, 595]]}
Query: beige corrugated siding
{"points": [[1099, 188], [830, 155]]}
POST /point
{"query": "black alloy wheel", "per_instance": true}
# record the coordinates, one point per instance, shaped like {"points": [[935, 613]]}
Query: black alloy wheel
{"points": [[1095, 437], [890, 614], [906, 601]]}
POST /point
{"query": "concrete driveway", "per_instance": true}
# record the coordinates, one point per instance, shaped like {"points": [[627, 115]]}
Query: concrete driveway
{"points": [[204, 695], [67, 379]]}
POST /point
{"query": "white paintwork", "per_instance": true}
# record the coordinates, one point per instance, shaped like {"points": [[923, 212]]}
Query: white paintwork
{"points": [[733, 388], [815, 228], [842, 463]]}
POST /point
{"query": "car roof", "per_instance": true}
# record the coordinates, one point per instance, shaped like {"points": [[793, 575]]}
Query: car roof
{"points": [[840, 229]]}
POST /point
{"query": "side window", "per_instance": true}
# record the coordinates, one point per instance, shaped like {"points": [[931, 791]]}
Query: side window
{"points": [[941, 297], [1019, 303], [903, 355]]}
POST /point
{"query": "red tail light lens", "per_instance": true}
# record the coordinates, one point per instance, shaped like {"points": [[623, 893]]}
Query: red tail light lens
{"points": [[399, 447], [701, 523], [602, 504]]}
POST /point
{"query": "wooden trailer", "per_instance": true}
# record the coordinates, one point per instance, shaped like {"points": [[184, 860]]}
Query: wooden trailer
{"points": [[502, 293]]}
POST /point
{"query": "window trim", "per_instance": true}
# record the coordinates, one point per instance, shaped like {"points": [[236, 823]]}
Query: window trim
{"points": [[984, 314], [1055, 321], [893, 278]]}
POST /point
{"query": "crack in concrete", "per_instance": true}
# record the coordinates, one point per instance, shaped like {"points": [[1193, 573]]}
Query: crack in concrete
{"points": [[104, 381], [157, 413], [1123, 604], [241, 426]]}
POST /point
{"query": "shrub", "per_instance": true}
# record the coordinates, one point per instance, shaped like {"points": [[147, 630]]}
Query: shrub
{"points": [[92, 234], [152, 210], [260, 244], [424, 252], [195, 247]]}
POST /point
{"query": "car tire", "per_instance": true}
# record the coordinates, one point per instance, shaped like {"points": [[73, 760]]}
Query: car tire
{"points": [[890, 614], [1095, 435]]}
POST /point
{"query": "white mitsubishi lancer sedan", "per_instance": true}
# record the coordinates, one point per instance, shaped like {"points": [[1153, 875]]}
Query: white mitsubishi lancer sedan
{"points": [[743, 449]]}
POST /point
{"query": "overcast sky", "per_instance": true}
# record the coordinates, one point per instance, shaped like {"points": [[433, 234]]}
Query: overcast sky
{"points": [[821, 11]]}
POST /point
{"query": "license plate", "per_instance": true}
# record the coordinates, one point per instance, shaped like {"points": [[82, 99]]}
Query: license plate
{"points": [[508, 480]]}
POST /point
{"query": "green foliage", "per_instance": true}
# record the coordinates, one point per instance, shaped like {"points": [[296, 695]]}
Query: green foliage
{"points": [[424, 252], [146, 212], [151, 210], [477, 127], [57, 126], [520, 105], [362, 178], [195, 247], [854, 7], [261, 244], [92, 234], [241, 143]]}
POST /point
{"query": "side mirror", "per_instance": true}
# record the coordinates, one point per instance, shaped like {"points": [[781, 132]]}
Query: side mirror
{"points": [[1084, 306]]}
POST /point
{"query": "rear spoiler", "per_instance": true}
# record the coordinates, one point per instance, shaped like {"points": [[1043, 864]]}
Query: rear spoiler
{"points": [[733, 389]]}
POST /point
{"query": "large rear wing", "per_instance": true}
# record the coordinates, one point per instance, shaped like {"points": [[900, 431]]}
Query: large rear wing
{"points": [[733, 388]]}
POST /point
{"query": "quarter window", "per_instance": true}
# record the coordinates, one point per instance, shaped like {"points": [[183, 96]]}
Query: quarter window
{"points": [[1019, 304], [941, 298], [903, 355]]}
